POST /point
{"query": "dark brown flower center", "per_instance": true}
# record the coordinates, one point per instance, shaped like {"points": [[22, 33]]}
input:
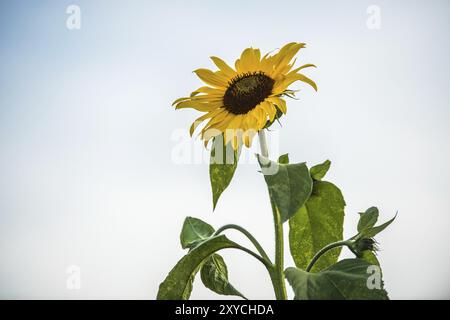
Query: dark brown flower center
{"points": [[246, 91]]}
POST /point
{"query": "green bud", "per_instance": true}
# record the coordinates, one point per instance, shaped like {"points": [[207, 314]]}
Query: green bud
{"points": [[364, 244]]}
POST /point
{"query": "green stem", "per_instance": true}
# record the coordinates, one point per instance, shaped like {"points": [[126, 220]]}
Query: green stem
{"points": [[263, 143], [277, 272], [249, 236], [325, 249]]}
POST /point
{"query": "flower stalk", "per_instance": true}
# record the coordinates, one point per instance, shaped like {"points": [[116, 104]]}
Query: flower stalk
{"points": [[322, 251], [277, 271]]}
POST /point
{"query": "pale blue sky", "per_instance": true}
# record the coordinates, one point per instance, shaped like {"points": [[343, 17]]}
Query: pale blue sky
{"points": [[86, 137]]}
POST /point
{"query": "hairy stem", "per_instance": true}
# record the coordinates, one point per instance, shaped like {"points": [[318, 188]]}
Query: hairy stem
{"points": [[322, 251], [249, 236], [277, 272], [279, 256], [263, 143]]}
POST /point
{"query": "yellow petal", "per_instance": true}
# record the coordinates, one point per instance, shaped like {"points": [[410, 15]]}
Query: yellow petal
{"points": [[218, 122], [303, 67], [280, 103], [267, 64], [233, 128], [282, 85], [260, 115], [199, 120], [212, 78], [200, 106], [224, 67], [285, 57], [269, 109], [207, 98], [249, 61], [209, 134], [208, 90], [180, 100], [236, 122], [248, 137], [250, 122]]}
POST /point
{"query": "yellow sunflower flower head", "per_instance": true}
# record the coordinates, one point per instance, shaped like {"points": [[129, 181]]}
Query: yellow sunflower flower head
{"points": [[241, 101]]}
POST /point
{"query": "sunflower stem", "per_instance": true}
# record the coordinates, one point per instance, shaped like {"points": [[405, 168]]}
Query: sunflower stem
{"points": [[263, 143], [249, 236], [328, 247], [277, 272]]}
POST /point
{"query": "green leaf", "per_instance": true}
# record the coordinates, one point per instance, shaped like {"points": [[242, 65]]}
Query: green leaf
{"points": [[178, 284], [185, 295], [289, 185], [372, 232], [368, 219], [223, 164], [349, 279], [284, 159], [194, 231], [318, 223], [319, 171], [214, 275]]}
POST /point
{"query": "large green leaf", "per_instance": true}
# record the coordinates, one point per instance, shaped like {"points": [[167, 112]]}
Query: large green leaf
{"points": [[223, 164], [214, 275], [368, 219], [318, 223], [178, 284], [194, 231], [289, 185], [348, 279]]}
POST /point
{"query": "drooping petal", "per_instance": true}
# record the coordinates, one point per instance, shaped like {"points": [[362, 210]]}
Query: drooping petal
{"points": [[269, 109], [209, 134], [199, 120], [219, 123], [248, 136], [260, 115], [180, 100], [233, 128], [250, 122]]}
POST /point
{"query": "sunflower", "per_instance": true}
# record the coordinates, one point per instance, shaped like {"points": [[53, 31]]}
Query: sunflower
{"points": [[245, 99]]}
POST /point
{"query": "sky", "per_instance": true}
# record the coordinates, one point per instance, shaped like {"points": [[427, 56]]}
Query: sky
{"points": [[90, 165]]}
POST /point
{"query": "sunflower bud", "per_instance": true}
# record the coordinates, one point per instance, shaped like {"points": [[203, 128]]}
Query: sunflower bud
{"points": [[364, 244]]}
